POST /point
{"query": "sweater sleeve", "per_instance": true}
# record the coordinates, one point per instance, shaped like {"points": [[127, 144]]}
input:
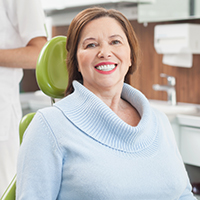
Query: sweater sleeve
{"points": [[186, 194], [39, 167]]}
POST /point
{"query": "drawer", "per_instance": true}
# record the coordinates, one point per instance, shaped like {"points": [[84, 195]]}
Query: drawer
{"points": [[190, 145]]}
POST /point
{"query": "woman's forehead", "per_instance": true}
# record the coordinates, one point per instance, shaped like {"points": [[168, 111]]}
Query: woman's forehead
{"points": [[103, 25]]}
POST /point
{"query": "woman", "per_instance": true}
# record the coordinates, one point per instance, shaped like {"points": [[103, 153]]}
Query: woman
{"points": [[103, 140]]}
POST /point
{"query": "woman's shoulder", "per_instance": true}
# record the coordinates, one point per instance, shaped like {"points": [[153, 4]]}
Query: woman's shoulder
{"points": [[48, 124], [161, 115], [50, 115]]}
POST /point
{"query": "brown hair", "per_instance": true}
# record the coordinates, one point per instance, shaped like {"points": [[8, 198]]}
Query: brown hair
{"points": [[73, 36]]}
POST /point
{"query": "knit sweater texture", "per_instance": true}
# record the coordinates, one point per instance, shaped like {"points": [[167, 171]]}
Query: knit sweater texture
{"points": [[79, 149]]}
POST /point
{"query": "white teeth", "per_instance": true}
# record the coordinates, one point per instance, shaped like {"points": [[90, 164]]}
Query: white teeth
{"points": [[105, 67]]}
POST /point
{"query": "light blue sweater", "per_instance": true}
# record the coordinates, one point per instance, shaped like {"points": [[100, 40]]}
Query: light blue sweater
{"points": [[79, 149]]}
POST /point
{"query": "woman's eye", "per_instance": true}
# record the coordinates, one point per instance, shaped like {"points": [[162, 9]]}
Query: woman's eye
{"points": [[116, 42], [91, 45]]}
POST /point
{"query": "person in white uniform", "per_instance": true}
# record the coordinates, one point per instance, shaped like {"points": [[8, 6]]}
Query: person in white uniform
{"points": [[22, 35]]}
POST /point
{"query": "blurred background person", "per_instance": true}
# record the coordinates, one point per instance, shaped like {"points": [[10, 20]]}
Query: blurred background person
{"points": [[22, 35]]}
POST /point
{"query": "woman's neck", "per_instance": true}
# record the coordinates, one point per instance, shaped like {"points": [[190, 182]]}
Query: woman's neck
{"points": [[111, 96], [120, 107]]}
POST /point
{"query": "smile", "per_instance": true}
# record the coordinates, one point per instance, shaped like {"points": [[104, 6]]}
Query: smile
{"points": [[105, 67]]}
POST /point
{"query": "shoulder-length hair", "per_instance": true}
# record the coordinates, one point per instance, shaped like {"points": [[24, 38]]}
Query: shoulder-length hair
{"points": [[73, 36]]}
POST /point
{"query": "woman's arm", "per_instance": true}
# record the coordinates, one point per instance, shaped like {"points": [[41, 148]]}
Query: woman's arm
{"points": [[39, 167]]}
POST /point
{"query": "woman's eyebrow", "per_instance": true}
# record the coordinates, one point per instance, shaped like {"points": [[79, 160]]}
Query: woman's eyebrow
{"points": [[94, 39], [89, 38], [116, 35]]}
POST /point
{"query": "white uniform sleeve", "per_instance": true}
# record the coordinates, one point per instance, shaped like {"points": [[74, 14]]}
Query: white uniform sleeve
{"points": [[28, 18]]}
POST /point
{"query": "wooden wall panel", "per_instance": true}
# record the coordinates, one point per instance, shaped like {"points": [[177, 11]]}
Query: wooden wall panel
{"points": [[148, 73], [29, 83], [59, 30]]}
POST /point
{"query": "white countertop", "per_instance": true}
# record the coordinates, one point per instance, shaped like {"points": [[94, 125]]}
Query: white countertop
{"points": [[189, 120], [184, 113]]}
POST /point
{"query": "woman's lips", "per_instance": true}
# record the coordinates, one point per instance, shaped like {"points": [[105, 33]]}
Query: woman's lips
{"points": [[106, 68]]}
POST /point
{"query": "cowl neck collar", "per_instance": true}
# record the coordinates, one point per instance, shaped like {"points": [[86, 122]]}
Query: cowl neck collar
{"points": [[91, 115]]}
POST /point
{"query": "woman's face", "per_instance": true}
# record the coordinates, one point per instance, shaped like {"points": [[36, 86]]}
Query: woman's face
{"points": [[103, 54]]}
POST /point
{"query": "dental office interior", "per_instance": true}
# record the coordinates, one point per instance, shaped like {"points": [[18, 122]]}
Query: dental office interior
{"points": [[169, 73]]}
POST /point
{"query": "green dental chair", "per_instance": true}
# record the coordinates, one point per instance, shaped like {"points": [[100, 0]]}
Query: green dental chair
{"points": [[52, 78]]}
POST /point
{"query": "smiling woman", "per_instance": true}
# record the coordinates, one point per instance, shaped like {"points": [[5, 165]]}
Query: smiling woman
{"points": [[103, 140], [78, 28], [103, 55]]}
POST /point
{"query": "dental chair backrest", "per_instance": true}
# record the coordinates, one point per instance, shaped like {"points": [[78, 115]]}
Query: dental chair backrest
{"points": [[51, 70], [52, 78]]}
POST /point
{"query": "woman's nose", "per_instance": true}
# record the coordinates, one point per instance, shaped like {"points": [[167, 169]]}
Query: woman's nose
{"points": [[104, 51]]}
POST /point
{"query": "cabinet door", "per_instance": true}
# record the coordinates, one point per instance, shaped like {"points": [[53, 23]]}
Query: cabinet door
{"points": [[197, 8], [190, 145], [164, 10]]}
